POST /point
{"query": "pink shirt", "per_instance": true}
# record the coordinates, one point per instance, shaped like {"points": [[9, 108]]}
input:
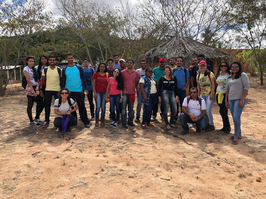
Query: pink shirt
{"points": [[113, 86], [129, 80]]}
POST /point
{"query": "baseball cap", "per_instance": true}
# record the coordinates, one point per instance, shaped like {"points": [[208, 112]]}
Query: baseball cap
{"points": [[122, 60], [202, 63], [162, 60]]}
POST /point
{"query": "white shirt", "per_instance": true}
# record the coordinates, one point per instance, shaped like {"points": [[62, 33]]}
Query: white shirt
{"points": [[64, 107], [194, 107]]}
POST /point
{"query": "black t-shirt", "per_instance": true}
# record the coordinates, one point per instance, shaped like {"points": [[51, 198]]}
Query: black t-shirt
{"points": [[194, 71], [110, 72], [170, 85]]}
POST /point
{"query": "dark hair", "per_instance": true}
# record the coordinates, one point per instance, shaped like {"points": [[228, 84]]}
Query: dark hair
{"points": [[180, 58], [86, 60], [51, 56], [143, 60], [238, 74], [115, 55], [201, 55], [193, 88], [69, 54], [59, 93], [39, 69], [219, 69], [147, 69], [130, 60], [173, 58], [110, 60], [98, 69], [119, 79], [35, 73]]}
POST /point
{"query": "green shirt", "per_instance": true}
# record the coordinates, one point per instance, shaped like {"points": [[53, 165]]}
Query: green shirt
{"points": [[158, 73]]}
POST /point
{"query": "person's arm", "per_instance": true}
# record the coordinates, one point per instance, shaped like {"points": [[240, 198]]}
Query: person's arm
{"points": [[245, 80], [187, 81], [137, 81], [29, 83], [121, 99], [63, 80], [141, 85], [213, 80], [198, 84], [176, 91], [160, 89], [108, 91], [242, 101], [202, 114], [93, 88]]}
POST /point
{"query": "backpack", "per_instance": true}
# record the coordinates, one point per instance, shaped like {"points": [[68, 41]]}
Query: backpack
{"points": [[69, 103], [198, 98], [209, 75], [185, 71], [24, 79]]}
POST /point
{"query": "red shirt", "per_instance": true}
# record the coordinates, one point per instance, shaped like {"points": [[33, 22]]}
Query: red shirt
{"points": [[101, 82], [129, 80]]}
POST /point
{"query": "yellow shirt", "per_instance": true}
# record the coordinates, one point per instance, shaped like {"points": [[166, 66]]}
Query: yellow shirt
{"points": [[52, 79], [205, 84]]}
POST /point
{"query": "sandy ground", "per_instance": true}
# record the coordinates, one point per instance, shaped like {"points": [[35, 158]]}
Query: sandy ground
{"points": [[102, 162]]}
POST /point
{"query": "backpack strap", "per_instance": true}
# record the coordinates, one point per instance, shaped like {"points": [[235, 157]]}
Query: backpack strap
{"points": [[185, 71], [59, 102], [69, 102]]}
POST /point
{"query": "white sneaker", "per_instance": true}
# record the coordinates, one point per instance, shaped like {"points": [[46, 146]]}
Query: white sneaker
{"points": [[115, 125], [34, 123], [38, 121], [191, 125], [112, 124]]}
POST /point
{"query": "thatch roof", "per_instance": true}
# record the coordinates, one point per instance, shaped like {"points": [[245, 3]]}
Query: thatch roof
{"points": [[187, 48]]}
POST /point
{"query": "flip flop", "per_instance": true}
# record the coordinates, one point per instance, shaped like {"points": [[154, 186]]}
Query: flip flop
{"points": [[173, 126], [235, 142], [239, 137], [168, 128]]}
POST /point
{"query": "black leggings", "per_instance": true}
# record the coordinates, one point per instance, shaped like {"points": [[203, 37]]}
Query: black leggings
{"points": [[90, 99], [31, 100], [40, 105], [224, 113]]}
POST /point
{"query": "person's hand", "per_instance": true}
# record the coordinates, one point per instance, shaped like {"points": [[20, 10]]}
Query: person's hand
{"points": [[138, 91], [69, 111], [193, 117], [121, 100], [184, 88], [108, 96], [211, 96], [145, 98], [176, 99], [95, 95], [86, 91], [241, 103], [226, 104], [35, 94]]}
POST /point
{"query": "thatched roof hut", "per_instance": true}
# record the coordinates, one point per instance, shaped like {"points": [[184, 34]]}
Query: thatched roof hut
{"points": [[187, 48]]}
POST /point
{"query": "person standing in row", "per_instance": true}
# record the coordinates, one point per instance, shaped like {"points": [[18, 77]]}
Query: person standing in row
{"points": [[73, 79], [222, 76], [131, 80], [167, 92], [172, 62], [116, 62], [110, 68], [122, 64], [158, 73], [206, 86], [51, 77], [114, 92], [182, 77], [88, 73], [99, 85], [32, 87], [237, 86], [148, 96]]}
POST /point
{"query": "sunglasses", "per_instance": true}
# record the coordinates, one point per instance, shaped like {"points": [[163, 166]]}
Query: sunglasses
{"points": [[223, 66], [193, 92], [234, 66], [116, 71], [64, 93]]}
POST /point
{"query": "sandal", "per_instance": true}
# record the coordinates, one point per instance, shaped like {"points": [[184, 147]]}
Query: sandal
{"points": [[168, 127], [235, 142], [239, 137], [173, 126], [150, 125], [143, 126]]}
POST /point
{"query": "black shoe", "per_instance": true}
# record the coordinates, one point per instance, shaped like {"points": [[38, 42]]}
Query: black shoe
{"points": [[227, 130], [184, 132], [137, 120], [198, 130], [87, 125], [131, 124], [68, 129], [223, 129], [124, 125], [210, 128]]}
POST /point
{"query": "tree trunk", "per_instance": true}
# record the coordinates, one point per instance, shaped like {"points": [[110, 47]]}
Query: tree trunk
{"points": [[261, 76]]}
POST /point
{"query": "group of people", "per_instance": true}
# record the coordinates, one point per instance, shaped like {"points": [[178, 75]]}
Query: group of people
{"points": [[117, 81]]}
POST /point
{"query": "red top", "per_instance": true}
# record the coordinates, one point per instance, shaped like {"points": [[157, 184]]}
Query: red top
{"points": [[113, 86], [129, 80], [101, 82]]}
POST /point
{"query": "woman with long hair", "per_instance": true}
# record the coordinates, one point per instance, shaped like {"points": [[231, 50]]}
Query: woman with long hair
{"points": [[221, 77], [64, 105], [237, 86], [167, 92], [99, 86], [32, 87], [43, 62], [114, 91], [148, 90], [206, 86]]}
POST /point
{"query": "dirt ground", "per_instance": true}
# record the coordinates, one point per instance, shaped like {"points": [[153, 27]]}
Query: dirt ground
{"points": [[102, 162]]}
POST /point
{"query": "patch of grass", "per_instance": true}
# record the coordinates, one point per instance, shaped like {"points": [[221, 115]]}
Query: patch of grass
{"points": [[64, 163], [128, 164]]}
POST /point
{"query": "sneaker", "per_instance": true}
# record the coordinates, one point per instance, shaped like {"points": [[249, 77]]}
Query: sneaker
{"points": [[190, 125], [87, 125], [124, 125], [68, 129], [38, 121], [184, 132], [137, 120], [228, 130], [131, 124], [112, 124], [34, 123], [93, 118], [115, 125], [45, 124], [223, 129], [198, 130], [153, 118], [210, 128]]}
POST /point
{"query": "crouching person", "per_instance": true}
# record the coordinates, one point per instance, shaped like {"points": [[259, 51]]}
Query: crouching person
{"points": [[194, 111], [64, 105]]}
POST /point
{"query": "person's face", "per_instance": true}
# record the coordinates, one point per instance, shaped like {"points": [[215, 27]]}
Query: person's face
{"points": [[234, 68], [179, 62], [167, 71], [162, 64], [194, 61], [193, 92], [143, 64], [116, 59], [110, 64], [223, 67], [122, 65], [172, 62], [44, 61], [70, 59], [202, 67], [52, 61], [130, 64], [116, 73], [148, 73], [30, 62], [64, 94], [85, 63], [102, 68], [200, 59]]}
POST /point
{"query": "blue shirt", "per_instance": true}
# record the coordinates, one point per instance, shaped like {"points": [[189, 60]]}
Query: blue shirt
{"points": [[73, 80], [180, 76], [88, 76], [115, 66]]}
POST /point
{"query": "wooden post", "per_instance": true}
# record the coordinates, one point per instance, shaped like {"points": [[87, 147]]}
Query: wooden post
{"points": [[20, 77], [7, 73]]}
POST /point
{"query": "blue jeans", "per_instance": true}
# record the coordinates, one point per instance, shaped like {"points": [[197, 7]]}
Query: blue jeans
{"points": [[185, 119], [236, 112], [131, 112], [168, 98], [182, 95], [148, 109], [209, 104], [100, 104], [114, 104], [139, 105]]}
